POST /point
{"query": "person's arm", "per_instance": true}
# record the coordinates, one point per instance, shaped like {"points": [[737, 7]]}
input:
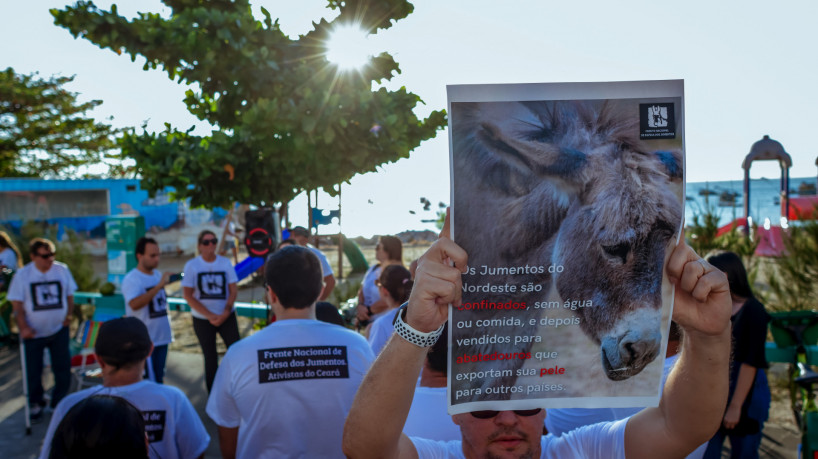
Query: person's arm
{"points": [[70, 312], [329, 284], [26, 332], [746, 376], [378, 306], [232, 292], [187, 293], [228, 441], [145, 299], [362, 312], [695, 394], [386, 391]]}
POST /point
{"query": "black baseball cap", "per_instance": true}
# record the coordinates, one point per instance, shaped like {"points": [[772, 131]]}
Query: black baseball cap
{"points": [[123, 341]]}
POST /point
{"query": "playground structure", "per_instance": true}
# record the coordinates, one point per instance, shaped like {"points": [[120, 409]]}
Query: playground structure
{"points": [[771, 243]]}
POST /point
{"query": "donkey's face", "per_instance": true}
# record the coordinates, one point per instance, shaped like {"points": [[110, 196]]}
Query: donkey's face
{"points": [[607, 216], [612, 247]]}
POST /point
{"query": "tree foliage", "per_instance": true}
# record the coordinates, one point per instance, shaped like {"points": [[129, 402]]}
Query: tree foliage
{"points": [[285, 119], [701, 234], [794, 279], [44, 131]]}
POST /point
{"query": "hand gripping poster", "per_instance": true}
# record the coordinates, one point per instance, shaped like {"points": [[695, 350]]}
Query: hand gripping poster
{"points": [[568, 198]]}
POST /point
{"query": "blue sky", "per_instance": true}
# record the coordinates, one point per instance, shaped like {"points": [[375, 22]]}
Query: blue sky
{"points": [[748, 66]]}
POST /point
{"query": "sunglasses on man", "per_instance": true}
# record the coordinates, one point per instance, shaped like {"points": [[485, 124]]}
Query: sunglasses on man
{"points": [[488, 414], [46, 255], [209, 241]]}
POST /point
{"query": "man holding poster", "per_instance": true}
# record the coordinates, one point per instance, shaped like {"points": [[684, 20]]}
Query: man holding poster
{"points": [[689, 412]]}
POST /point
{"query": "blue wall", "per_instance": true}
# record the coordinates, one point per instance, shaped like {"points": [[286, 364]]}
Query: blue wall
{"points": [[125, 195]]}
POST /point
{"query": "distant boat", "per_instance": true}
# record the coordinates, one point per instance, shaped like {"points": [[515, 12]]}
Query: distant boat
{"points": [[806, 189], [706, 192], [728, 198]]}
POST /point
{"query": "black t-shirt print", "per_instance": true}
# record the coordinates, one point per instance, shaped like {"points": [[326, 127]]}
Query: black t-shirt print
{"points": [[158, 306], [154, 425], [212, 286], [46, 295]]}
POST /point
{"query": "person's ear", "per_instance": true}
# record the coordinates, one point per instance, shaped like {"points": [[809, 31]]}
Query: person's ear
{"points": [[271, 296], [458, 418], [151, 352]]}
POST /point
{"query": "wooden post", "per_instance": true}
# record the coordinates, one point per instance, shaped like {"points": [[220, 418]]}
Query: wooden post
{"points": [[317, 243], [227, 220], [340, 239], [309, 212]]}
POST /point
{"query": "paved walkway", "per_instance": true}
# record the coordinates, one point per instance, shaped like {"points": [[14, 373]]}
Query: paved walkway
{"points": [[185, 371]]}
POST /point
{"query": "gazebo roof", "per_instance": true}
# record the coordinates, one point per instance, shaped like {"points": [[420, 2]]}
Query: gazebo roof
{"points": [[767, 149]]}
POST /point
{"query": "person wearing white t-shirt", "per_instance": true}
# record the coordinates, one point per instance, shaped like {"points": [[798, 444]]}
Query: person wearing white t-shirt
{"points": [[9, 255], [389, 251], [301, 236], [286, 390], [561, 421], [172, 426], [144, 291], [429, 417], [690, 410], [209, 286], [42, 294]]}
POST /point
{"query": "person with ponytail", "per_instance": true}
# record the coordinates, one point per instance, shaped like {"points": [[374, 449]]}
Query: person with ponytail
{"points": [[394, 286]]}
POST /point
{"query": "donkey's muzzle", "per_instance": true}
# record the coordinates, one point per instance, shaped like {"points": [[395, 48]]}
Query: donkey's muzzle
{"points": [[626, 355]]}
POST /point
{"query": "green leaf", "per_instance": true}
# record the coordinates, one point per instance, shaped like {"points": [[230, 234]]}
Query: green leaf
{"points": [[273, 104]]}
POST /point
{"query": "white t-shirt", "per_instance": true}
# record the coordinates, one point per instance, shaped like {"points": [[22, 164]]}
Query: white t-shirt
{"points": [[44, 296], [173, 427], [381, 330], [368, 287], [155, 313], [560, 421], [210, 282], [289, 388], [8, 258], [326, 269], [428, 417], [605, 440]]}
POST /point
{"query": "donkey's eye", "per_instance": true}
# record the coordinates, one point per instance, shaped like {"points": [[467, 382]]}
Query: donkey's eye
{"points": [[618, 251]]}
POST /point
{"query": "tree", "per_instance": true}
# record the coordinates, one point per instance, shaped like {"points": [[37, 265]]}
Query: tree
{"points": [[44, 131], [285, 119], [794, 279]]}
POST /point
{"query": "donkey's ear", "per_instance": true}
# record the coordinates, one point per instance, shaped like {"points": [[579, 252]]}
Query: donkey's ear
{"points": [[540, 158], [672, 162]]}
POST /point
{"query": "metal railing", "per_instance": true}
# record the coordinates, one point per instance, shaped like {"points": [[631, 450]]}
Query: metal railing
{"points": [[114, 304]]}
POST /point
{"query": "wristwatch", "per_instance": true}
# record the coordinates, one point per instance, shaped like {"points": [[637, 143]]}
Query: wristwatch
{"points": [[408, 333]]}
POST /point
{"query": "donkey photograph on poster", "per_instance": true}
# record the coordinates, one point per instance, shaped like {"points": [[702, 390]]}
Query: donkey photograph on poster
{"points": [[569, 184]]}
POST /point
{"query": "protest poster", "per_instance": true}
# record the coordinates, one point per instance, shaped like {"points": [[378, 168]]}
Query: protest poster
{"points": [[568, 198]]}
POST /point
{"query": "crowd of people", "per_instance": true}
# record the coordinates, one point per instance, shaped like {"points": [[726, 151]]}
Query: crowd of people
{"points": [[304, 387]]}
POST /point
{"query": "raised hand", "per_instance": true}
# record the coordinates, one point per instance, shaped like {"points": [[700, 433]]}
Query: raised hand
{"points": [[702, 302], [437, 283]]}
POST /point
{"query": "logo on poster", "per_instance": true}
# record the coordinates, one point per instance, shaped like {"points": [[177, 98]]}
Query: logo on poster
{"points": [[657, 121], [657, 116]]}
